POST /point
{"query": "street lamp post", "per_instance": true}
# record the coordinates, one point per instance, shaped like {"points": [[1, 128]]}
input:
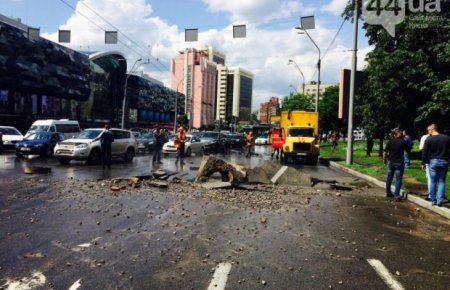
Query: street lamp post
{"points": [[291, 61], [124, 103], [308, 23]]}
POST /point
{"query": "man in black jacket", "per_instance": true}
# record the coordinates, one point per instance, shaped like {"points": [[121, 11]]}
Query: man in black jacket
{"points": [[393, 152], [106, 140], [436, 153]]}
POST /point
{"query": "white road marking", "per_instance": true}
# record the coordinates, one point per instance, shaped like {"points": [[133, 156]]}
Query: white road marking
{"points": [[76, 285], [385, 275], [85, 245], [36, 281], [278, 174], [220, 277]]}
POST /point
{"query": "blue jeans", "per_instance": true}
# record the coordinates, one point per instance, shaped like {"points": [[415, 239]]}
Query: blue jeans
{"points": [[397, 169], [406, 157], [438, 171]]}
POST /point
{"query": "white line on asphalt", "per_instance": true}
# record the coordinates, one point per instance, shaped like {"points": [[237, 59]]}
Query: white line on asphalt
{"points": [[220, 277], [278, 174], [76, 285], [385, 274]]}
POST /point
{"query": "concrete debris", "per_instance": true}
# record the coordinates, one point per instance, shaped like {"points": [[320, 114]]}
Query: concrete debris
{"points": [[158, 184], [216, 185], [229, 172]]}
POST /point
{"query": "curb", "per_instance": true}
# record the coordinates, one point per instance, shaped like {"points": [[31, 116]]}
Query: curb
{"points": [[445, 212]]}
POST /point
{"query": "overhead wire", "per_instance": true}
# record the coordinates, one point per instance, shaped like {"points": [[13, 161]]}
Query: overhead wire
{"points": [[130, 39], [328, 48], [120, 41]]}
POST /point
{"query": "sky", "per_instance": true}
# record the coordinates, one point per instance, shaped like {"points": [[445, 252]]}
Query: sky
{"points": [[154, 30]]}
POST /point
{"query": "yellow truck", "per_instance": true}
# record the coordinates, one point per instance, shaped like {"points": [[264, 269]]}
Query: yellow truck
{"points": [[300, 131]]}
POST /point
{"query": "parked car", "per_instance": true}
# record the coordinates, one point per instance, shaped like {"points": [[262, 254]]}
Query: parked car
{"points": [[86, 146], [193, 145], [215, 142], [237, 140], [39, 143], [262, 140], [10, 136], [146, 141]]}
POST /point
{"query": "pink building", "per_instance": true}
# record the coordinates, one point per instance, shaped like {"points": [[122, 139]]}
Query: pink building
{"points": [[194, 75]]}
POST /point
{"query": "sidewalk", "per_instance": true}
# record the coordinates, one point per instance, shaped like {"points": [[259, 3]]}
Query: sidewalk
{"points": [[443, 211]]}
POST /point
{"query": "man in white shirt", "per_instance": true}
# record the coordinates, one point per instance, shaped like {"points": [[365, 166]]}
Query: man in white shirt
{"points": [[427, 167]]}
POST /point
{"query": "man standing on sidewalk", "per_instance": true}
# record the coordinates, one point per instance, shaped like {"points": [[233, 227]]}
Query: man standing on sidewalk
{"points": [[427, 171], [436, 153], [393, 152]]}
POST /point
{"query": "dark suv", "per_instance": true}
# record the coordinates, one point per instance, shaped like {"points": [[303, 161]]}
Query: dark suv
{"points": [[215, 142], [237, 140]]}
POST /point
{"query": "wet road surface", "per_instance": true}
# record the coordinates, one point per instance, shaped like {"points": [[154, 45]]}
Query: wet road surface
{"points": [[69, 231]]}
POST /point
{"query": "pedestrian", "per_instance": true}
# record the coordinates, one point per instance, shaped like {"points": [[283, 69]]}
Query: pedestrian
{"points": [[333, 139], [407, 154], [180, 139], [106, 140], [277, 142], [393, 156], [249, 144], [160, 139], [370, 144], [436, 153], [427, 166]]}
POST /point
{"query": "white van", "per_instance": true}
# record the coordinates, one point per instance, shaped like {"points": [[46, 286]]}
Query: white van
{"points": [[67, 128]]}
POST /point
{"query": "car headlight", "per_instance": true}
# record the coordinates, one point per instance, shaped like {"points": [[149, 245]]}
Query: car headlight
{"points": [[81, 146]]}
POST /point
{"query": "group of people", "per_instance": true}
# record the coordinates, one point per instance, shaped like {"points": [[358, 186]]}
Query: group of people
{"points": [[435, 156]]}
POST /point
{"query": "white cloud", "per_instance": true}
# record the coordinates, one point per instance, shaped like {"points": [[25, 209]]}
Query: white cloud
{"points": [[257, 11], [264, 52], [335, 7]]}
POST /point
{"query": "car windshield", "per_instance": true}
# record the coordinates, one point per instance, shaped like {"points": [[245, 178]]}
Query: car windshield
{"points": [[301, 132], [89, 134], [38, 136], [9, 131], [211, 135], [136, 134], [38, 128], [148, 136], [234, 137]]}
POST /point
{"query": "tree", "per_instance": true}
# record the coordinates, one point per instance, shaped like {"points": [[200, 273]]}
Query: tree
{"points": [[328, 111], [408, 81], [254, 118], [298, 102]]}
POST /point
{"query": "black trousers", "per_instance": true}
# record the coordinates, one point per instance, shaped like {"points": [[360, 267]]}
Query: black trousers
{"points": [[106, 155]]}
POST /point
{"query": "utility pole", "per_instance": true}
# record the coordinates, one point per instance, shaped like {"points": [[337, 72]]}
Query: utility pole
{"points": [[349, 159]]}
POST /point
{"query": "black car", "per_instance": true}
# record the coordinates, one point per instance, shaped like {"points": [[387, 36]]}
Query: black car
{"points": [[39, 143], [145, 141], [215, 142], [237, 140]]}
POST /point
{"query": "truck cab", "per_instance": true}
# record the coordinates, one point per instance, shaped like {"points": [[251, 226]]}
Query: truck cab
{"points": [[300, 129]]}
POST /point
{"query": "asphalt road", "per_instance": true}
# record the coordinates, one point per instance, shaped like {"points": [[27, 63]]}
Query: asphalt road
{"points": [[67, 230]]}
